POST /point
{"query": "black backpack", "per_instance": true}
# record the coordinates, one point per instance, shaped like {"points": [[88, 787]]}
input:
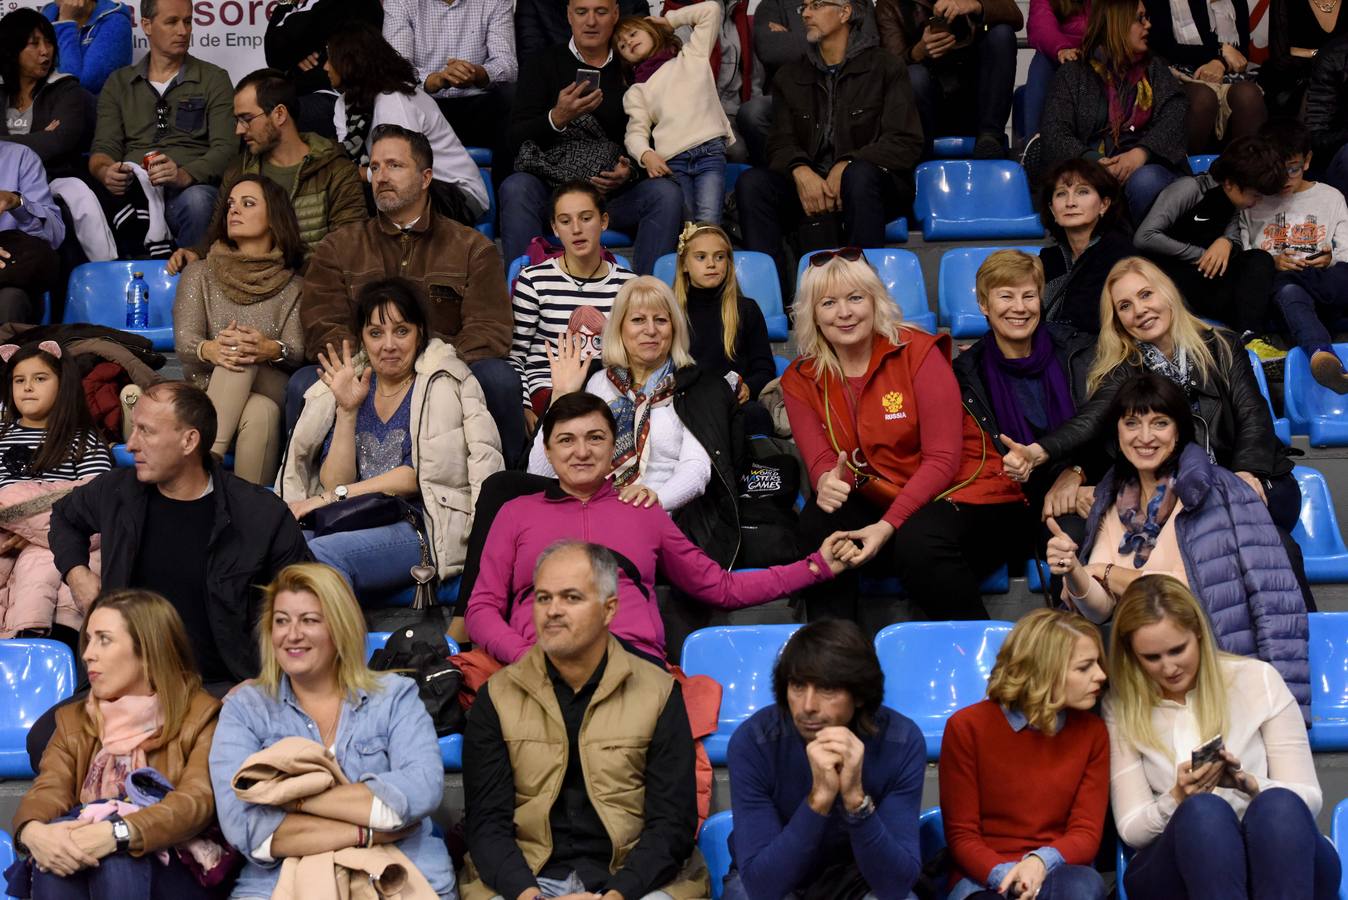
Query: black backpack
{"points": [[420, 652], [768, 491]]}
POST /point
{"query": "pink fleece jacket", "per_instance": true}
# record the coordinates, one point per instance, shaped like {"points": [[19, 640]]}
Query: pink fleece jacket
{"points": [[526, 526], [1048, 35]]}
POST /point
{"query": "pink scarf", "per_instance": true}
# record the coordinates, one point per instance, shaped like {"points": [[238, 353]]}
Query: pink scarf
{"points": [[127, 724]]}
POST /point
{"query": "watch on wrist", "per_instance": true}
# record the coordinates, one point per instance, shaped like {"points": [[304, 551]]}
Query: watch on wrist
{"points": [[340, 492], [121, 832], [862, 812]]}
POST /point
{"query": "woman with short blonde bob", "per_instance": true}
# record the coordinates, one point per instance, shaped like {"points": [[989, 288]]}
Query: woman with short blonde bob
{"points": [[680, 429], [314, 684], [145, 708], [894, 459], [1025, 773], [1213, 781]]}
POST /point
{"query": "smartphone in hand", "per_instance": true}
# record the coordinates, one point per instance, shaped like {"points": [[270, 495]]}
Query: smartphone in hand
{"points": [[938, 23], [589, 79], [1209, 751], [1323, 251]]}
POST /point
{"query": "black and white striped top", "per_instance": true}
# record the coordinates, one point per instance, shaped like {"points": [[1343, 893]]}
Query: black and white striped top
{"points": [[19, 446], [547, 303]]}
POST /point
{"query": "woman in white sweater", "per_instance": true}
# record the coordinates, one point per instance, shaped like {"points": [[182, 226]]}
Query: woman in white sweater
{"points": [[1211, 773], [675, 124]]}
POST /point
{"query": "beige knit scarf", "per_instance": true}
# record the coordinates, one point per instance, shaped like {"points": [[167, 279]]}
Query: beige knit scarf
{"points": [[247, 279]]}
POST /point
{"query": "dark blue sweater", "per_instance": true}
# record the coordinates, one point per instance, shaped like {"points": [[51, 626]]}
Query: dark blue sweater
{"points": [[780, 845]]}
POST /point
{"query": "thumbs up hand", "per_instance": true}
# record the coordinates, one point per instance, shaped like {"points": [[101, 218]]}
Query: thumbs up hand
{"points": [[834, 486], [1061, 553], [1021, 459]]}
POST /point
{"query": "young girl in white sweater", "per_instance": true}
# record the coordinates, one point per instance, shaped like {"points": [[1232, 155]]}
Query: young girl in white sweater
{"points": [[675, 124]]}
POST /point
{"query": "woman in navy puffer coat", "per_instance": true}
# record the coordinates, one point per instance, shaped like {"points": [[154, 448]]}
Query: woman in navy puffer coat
{"points": [[1166, 508]]}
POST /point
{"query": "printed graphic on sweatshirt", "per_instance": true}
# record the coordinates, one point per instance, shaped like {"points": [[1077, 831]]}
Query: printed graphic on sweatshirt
{"points": [[1304, 236]]}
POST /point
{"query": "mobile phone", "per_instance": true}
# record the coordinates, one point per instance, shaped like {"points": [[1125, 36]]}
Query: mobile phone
{"points": [[1210, 751], [733, 379], [938, 23], [1317, 254], [588, 77]]}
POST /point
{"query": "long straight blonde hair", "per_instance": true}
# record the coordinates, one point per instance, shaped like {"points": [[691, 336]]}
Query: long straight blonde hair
{"points": [[1133, 695], [730, 289], [1116, 346], [840, 276]]}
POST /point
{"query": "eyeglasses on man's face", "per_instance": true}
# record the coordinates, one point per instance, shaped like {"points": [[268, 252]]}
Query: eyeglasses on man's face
{"points": [[815, 6]]}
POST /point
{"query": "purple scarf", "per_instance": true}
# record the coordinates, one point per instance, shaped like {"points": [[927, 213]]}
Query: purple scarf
{"points": [[648, 66], [1041, 364]]}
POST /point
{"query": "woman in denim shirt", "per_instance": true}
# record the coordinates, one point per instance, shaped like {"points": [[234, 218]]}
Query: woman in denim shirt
{"points": [[314, 683]]}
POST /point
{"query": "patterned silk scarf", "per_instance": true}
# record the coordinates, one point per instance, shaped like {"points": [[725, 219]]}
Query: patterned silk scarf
{"points": [[632, 410], [127, 723], [1140, 533], [1130, 100]]}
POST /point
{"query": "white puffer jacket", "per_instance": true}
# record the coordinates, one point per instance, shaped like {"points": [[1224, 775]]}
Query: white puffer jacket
{"points": [[455, 446]]}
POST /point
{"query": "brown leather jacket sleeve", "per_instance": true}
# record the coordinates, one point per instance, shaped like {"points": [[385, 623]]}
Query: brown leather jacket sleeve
{"points": [[325, 310], [893, 34], [54, 790], [188, 809], [487, 317]]}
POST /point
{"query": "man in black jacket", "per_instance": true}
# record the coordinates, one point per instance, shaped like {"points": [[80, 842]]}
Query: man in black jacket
{"points": [[845, 139], [1326, 113]]}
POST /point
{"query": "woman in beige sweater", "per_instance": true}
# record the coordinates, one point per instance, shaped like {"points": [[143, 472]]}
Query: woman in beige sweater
{"points": [[237, 326]]}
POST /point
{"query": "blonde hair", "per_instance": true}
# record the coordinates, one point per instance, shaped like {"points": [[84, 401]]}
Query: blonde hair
{"points": [[1147, 601], [341, 615], [1116, 346], [645, 292], [730, 291], [1031, 669], [1008, 268], [840, 276], [159, 640]]}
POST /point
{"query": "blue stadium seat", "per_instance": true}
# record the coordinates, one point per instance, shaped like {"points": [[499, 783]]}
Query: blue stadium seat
{"points": [[611, 238], [447, 594], [1036, 575], [740, 659], [39, 674], [957, 292], [714, 842], [122, 458], [1201, 162], [1281, 426], [931, 841], [45, 320], [975, 199], [896, 232], [375, 640], [1317, 530], [933, 669], [1122, 854], [1338, 834], [757, 276], [451, 745], [782, 362], [520, 262], [953, 147], [1329, 681], [733, 171], [901, 273], [97, 294], [1313, 409], [481, 156], [487, 223]]}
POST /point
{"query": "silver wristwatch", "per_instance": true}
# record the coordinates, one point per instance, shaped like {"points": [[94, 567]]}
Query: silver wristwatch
{"points": [[862, 812], [121, 832], [340, 491]]}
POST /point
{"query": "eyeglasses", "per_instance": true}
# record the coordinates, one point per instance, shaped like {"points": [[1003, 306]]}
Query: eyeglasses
{"points": [[815, 6], [1294, 171], [1143, 19], [247, 118], [851, 254]]}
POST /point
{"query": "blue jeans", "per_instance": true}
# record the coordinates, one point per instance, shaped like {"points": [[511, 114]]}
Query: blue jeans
{"points": [[1206, 853], [1063, 883], [652, 208], [374, 560], [1037, 81], [122, 877], [734, 889], [700, 174], [189, 212], [1144, 186], [1312, 301]]}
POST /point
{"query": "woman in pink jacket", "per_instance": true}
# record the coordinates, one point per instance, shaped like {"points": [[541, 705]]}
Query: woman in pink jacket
{"points": [[578, 434], [1054, 29]]}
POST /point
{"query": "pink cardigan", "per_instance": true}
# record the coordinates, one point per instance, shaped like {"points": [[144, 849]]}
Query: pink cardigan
{"points": [[526, 526], [1048, 35]]}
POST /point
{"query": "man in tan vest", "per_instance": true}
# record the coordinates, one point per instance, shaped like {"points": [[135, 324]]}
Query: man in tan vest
{"points": [[561, 801]]}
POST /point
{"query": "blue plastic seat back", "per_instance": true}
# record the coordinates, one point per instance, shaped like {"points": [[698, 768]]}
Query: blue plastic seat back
{"points": [[486, 223], [714, 842], [957, 289], [1329, 681], [6, 852], [38, 674], [1281, 427], [931, 839], [756, 274], [97, 294], [1317, 531], [1338, 833], [975, 199], [451, 745], [740, 658], [1201, 162], [520, 262], [953, 147], [933, 669], [610, 238], [1122, 854], [481, 156], [375, 640], [1314, 409], [901, 273]]}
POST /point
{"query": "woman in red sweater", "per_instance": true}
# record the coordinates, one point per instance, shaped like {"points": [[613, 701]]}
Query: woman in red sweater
{"points": [[894, 458], [1025, 773]]}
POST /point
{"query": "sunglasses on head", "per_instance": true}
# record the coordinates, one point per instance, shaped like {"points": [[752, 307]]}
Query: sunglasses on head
{"points": [[851, 254]]}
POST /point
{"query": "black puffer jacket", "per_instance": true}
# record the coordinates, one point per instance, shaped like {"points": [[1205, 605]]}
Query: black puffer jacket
{"points": [[1232, 421], [707, 408], [1326, 113], [59, 99]]}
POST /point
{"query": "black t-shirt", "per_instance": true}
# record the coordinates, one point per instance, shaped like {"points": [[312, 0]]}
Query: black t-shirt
{"points": [[172, 562]]}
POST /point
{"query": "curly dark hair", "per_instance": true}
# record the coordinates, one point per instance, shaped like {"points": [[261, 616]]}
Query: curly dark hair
{"points": [[285, 227], [367, 66], [15, 31]]}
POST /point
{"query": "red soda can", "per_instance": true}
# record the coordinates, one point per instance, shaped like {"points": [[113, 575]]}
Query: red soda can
{"points": [[149, 159]]}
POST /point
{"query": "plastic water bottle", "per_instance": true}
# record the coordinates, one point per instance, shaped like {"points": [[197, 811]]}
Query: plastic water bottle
{"points": [[138, 302]]}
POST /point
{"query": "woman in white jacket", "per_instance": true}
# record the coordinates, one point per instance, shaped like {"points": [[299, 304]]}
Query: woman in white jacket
{"points": [[675, 124], [404, 417]]}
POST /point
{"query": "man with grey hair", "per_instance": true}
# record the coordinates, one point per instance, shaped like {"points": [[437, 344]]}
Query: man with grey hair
{"points": [[561, 799]]}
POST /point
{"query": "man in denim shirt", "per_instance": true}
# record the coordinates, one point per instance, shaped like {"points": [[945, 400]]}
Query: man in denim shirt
{"points": [[176, 106]]}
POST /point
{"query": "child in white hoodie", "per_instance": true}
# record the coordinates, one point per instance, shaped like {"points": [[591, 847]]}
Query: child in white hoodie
{"points": [[675, 124]]}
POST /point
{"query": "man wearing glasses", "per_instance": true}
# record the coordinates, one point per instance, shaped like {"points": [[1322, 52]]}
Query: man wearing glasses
{"points": [[172, 114], [844, 141]]}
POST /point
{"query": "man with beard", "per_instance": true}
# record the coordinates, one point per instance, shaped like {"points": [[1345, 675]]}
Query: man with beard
{"points": [[320, 180], [459, 269]]}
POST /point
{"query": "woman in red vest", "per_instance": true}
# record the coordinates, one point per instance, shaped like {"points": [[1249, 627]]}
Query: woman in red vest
{"points": [[894, 458]]}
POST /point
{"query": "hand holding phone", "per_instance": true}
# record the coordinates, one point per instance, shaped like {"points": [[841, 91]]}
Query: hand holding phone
{"points": [[938, 23], [1209, 751], [1323, 251], [588, 79]]}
